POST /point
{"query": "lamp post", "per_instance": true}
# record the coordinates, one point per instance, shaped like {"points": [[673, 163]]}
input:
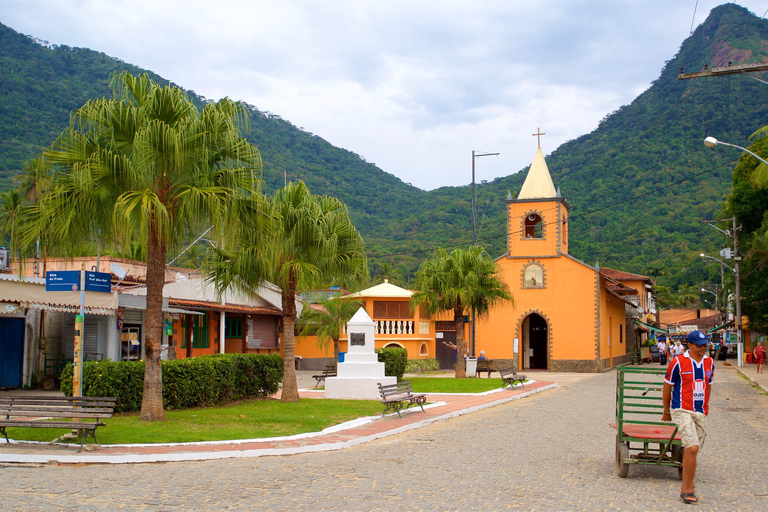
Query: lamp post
{"points": [[475, 154], [736, 278], [711, 142], [717, 300]]}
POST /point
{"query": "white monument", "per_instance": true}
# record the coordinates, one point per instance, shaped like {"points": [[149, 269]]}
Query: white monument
{"points": [[358, 376]]}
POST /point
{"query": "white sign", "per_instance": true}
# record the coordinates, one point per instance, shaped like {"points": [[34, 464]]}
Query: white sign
{"points": [[516, 346], [438, 335]]}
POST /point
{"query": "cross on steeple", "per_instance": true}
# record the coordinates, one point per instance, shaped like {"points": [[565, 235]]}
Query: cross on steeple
{"points": [[538, 135]]}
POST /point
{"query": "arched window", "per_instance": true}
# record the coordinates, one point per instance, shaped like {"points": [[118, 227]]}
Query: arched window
{"points": [[423, 351], [534, 228], [534, 276]]}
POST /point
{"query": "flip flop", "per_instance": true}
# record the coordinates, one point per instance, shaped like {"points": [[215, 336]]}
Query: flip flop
{"points": [[689, 498]]}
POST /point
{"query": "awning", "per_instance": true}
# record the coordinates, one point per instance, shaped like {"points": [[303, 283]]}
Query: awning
{"points": [[652, 327], [726, 324], [32, 294]]}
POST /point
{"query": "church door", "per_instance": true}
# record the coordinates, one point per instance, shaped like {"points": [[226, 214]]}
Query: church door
{"points": [[535, 336]]}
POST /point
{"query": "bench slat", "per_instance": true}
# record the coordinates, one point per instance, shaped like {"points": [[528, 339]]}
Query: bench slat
{"points": [[79, 425], [35, 411]]}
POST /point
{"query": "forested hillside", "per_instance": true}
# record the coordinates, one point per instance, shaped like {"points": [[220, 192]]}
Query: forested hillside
{"points": [[640, 185]]}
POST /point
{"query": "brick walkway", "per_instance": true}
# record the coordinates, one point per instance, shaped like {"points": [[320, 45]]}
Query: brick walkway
{"points": [[349, 434]]}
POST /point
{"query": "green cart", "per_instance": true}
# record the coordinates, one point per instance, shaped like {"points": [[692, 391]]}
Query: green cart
{"points": [[640, 437]]}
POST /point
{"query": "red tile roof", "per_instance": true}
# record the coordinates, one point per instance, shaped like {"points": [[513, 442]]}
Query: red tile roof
{"points": [[618, 275], [212, 306]]}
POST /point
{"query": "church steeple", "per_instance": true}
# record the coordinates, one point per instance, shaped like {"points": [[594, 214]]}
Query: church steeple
{"points": [[538, 184]]}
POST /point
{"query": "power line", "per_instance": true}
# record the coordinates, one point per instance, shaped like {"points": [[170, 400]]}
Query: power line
{"points": [[570, 219]]}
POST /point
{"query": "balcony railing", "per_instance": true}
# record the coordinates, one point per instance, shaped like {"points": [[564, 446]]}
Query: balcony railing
{"points": [[392, 327]]}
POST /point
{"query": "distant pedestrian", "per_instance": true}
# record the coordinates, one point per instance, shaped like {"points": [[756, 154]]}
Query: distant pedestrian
{"points": [[758, 355], [676, 349], [482, 357], [662, 348], [687, 385]]}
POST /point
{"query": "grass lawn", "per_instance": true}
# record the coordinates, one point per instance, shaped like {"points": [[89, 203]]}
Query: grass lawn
{"points": [[452, 385], [244, 420], [250, 419]]}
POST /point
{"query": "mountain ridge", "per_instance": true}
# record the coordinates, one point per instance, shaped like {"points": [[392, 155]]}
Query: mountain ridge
{"points": [[640, 185]]}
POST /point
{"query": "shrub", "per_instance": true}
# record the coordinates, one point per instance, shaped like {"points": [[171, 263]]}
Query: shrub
{"points": [[192, 382], [394, 359], [430, 364]]}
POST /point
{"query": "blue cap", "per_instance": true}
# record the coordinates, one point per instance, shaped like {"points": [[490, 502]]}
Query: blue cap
{"points": [[697, 338]]}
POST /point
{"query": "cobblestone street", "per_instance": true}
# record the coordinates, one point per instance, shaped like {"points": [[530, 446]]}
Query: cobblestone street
{"points": [[550, 451]]}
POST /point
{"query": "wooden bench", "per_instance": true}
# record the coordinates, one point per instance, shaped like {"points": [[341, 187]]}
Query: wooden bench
{"points": [[329, 371], [394, 396], [483, 366], [509, 376], [81, 414]]}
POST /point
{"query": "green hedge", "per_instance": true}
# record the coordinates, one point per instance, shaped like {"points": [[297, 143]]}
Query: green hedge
{"points": [[394, 360], [193, 382], [430, 364]]}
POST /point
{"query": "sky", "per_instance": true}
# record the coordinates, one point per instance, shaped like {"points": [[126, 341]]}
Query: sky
{"points": [[413, 86]]}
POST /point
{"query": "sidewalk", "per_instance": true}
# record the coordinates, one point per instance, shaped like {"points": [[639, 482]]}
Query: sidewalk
{"points": [[749, 370], [349, 434]]}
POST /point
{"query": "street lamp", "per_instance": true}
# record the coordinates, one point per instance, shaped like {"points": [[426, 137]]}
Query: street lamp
{"points": [[475, 154], [711, 142], [737, 281], [717, 301]]}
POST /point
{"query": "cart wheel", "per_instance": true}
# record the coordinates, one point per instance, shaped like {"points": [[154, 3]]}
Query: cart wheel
{"points": [[622, 452], [49, 384]]}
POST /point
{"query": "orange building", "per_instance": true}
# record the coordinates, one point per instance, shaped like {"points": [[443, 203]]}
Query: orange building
{"points": [[396, 326], [568, 315]]}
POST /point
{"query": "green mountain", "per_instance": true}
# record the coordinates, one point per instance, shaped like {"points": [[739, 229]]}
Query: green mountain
{"points": [[641, 185]]}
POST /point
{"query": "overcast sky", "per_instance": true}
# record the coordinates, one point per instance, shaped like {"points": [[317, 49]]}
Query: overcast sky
{"points": [[411, 85]]}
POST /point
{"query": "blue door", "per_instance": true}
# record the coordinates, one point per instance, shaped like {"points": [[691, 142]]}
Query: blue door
{"points": [[11, 351]]}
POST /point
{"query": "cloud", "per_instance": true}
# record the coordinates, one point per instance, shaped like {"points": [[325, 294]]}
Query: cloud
{"points": [[412, 86]]}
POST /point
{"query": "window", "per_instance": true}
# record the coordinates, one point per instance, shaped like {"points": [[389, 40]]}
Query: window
{"points": [[199, 332], [391, 309], [534, 276], [200, 339], [533, 226], [234, 328], [423, 350]]}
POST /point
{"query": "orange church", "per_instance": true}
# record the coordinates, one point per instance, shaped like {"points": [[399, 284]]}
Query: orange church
{"points": [[568, 315]]}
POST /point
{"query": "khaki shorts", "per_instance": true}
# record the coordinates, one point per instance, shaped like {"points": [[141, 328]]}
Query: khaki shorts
{"points": [[690, 426]]}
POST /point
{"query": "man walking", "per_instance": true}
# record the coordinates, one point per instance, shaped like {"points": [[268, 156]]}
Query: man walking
{"points": [[686, 402]]}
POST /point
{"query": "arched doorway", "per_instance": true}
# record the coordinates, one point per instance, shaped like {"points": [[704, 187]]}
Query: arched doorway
{"points": [[535, 350]]}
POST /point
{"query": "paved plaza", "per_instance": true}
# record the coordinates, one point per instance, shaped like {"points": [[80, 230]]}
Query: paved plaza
{"points": [[552, 450]]}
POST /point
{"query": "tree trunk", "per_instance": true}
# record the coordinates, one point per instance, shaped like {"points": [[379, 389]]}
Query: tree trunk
{"points": [[336, 354], [152, 399], [290, 388], [459, 365]]}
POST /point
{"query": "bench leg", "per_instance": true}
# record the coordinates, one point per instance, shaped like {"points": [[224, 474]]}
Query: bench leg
{"points": [[2, 431], [393, 405]]}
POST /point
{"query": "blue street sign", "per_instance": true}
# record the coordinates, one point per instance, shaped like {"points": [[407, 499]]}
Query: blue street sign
{"points": [[62, 281], [98, 282]]}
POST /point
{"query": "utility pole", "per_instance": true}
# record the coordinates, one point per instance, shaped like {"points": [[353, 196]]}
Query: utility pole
{"points": [[475, 154], [736, 260]]}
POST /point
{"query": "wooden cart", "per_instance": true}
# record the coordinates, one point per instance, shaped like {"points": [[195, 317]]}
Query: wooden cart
{"points": [[640, 437]]}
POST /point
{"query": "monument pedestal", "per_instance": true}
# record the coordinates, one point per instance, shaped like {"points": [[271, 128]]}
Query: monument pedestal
{"points": [[361, 372], [357, 377]]}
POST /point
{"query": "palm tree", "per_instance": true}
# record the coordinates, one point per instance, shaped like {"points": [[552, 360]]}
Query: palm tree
{"points": [[326, 320], [10, 203], [466, 279], [145, 165], [311, 243]]}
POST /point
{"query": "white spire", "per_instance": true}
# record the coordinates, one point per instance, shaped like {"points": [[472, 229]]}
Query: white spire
{"points": [[538, 184]]}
